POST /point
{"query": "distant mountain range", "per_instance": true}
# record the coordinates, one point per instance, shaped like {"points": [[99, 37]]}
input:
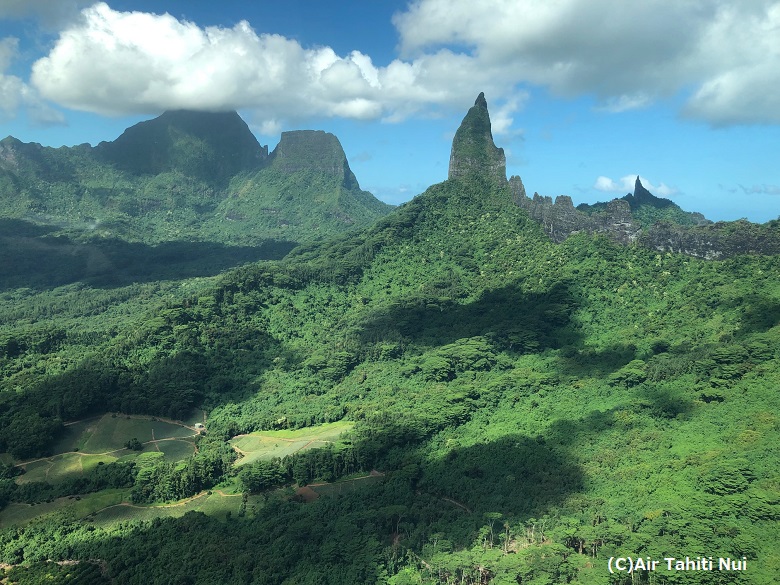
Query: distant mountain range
{"points": [[200, 176], [189, 176], [640, 218]]}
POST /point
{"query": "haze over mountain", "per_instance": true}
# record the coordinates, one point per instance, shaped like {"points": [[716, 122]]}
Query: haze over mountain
{"points": [[189, 175]]}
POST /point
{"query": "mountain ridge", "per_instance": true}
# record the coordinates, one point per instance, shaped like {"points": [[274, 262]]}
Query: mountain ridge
{"points": [[189, 175], [224, 145]]}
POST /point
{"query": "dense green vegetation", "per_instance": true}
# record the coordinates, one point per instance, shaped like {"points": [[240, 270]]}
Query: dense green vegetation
{"points": [[442, 397], [182, 178], [536, 408]]}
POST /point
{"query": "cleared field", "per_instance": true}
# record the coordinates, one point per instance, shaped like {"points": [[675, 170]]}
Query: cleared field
{"points": [[269, 444], [347, 485], [70, 507], [176, 450], [102, 439], [61, 467], [64, 467], [35, 471], [111, 433], [214, 504], [75, 435], [88, 462]]}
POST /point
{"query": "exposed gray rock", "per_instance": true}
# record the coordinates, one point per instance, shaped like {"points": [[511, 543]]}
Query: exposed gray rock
{"points": [[560, 219]]}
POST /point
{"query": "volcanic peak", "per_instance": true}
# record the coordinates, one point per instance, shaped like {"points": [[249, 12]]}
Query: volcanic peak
{"points": [[473, 149]]}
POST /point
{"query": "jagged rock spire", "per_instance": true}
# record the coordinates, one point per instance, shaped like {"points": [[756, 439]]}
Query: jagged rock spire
{"points": [[642, 195], [473, 149]]}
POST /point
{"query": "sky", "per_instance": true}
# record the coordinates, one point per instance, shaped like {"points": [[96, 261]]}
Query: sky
{"points": [[584, 95]]}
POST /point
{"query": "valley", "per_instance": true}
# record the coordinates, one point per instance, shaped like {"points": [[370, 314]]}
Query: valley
{"points": [[468, 388]]}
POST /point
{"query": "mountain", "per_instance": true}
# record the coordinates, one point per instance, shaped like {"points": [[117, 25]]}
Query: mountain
{"points": [[647, 209], [210, 146], [197, 176], [514, 409], [642, 218], [306, 187], [473, 149]]}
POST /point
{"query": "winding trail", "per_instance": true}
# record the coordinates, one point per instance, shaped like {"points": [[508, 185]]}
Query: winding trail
{"points": [[154, 442], [458, 504], [183, 502]]}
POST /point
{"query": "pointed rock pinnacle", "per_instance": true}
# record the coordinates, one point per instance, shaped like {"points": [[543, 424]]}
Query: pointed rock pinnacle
{"points": [[473, 149]]}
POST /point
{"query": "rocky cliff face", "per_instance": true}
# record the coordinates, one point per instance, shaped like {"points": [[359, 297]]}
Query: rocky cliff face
{"points": [[617, 220], [716, 241], [313, 150], [473, 149], [560, 218]]}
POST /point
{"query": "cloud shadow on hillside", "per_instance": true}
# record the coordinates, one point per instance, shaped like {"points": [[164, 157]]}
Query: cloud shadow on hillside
{"points": [[515, 320], [32, 258]]}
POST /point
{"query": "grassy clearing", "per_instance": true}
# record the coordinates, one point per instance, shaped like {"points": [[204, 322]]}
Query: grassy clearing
{"points": [[62, 467], [69, 508], [87, 443], [76, 435], [65, 467], [109, 507], [214, 504], [112, 432], [270, 444], [346, 486], [176, 450], [36, 471]]}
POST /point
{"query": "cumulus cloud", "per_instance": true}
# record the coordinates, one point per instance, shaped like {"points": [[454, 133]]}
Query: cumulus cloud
{"points": [[626, 185], [116, 63], [502, 117], [626, 54], [724, 54], [15, 94]]}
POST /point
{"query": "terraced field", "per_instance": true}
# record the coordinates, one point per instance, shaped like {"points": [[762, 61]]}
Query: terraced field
{"points": [[102, 439]]}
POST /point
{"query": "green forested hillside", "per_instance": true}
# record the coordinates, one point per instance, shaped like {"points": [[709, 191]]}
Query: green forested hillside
{"points": [[535, 408], [187, 176]]}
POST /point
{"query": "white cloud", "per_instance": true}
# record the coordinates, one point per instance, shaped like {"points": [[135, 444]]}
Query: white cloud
{"points": [[15, 94], [502, 120], [626, 54], [117, 63], [724, 53], [626, 185], [608, 185], [623, 103]]}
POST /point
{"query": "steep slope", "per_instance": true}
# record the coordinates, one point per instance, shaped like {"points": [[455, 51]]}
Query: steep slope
{"points": [[209, 146], [306, 187], [536, 408], [188, 176], [473, 149]]}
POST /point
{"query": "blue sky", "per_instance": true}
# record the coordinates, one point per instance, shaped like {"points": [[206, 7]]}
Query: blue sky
{"points": [[584, 94]]}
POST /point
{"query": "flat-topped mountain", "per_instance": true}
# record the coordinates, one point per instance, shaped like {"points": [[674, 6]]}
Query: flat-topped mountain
{"points": [[189, 175], [312, 150]]}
